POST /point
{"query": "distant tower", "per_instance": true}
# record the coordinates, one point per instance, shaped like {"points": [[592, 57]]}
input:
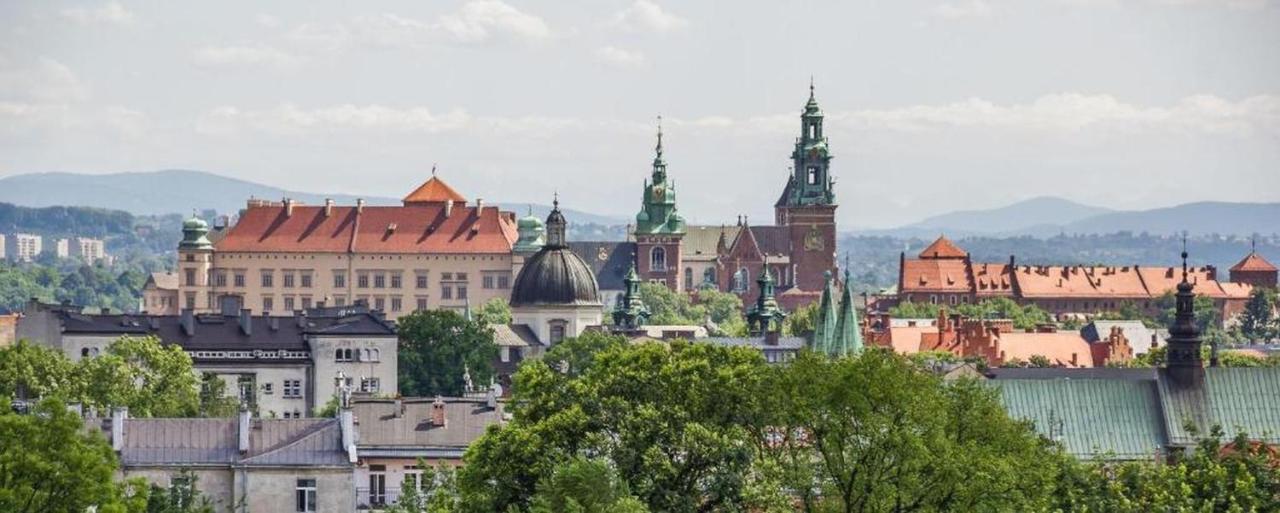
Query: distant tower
{"points": [[195, 261], [765, 316], [659, 227], [1255, 270], [808, 205], [630, 313], [1183, 359]]}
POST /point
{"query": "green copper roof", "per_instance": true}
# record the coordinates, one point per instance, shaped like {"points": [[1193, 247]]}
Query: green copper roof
{"points": [[658, 213], [630, 311], [195, 234], [848, 334], [1109, 418], [530, 234], [1235, 398], [824, 320], [766, 315]]}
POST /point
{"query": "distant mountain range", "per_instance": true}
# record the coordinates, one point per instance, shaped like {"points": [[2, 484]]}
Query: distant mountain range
{"points": [[1048, 216], [180, 191]]}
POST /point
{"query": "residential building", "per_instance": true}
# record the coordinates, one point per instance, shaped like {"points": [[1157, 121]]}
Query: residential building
{"points": [[282, 367], [944, 274], [1143, 338], [160, 294], [62, 248], [434, 251], [90, 250], [798, 249], [24, 247], [241, 464], [4, 246], [397, 434]]}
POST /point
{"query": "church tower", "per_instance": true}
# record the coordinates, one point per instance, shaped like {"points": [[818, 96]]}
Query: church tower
{"points": [[659, 227], [807, 206]]}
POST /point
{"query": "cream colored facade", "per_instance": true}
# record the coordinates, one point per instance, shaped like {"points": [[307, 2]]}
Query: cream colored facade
{"points": [[259, 490], [397, 284], [90, 250], [25, 247], [370, 364], [552, 324]]}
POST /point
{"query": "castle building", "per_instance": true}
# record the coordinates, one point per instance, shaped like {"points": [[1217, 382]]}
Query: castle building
{"points": [[1254, 270], [945, 274], [436, 250], [797, 250]]}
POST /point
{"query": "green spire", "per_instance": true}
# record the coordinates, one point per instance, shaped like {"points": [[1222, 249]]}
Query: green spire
{"points": [[810, 182], [824, 320], [766, 315], [630, 313], [658, 213], [848, 330], [195, 234], [531, 235]]}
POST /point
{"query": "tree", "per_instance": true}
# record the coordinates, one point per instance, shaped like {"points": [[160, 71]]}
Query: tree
{"points": [[181, 496], [666, 307], [576, 355], [677, 421], [495, 311], [724, 309], [31, 371], [148, 377], [801, 321], [48, 462], [585, 486], [214, 401], [1255, 323], [876, 433], [435, 490], [437, 347]]}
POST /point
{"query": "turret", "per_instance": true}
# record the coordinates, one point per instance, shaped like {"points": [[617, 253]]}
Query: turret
{"points": [[1183, 359]]}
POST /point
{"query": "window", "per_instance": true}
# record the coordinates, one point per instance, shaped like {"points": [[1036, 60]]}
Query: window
{"points": [[293, 388], [288, 279], [268, 304], [377, 485], [740, 280], [379, 281], [396, 304], [379, 303], [268, 279], [306, 302], [371, 385], [84, 352], [658, 259], [288, 303], [362, 281], [462, 276], [446, 292], [813, 176], [422, 303], [267, 389], [340, 301], [191, 276], [344, 355], [953, 301], [306, 494], [709, 277], [420, 281], [374, 355], [191, 300], [933, 299], [462, 291], [688, 278], [238, 280], [504, 281], [395, 281], [486, 281], [220, 279], [306, 280], [339, 280], [557, 329], [446, 276]]}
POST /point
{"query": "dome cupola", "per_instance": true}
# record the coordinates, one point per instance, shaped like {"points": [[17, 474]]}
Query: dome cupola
{"points": [[554, 275]]}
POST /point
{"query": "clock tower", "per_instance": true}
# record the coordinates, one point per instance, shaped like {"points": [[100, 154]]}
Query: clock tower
{"points": [[807, 206], [659, 228]]}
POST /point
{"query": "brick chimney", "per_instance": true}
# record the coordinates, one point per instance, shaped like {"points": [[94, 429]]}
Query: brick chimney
{"points": [[243, 425], [118, 416], [437, 412], [328, 207]]}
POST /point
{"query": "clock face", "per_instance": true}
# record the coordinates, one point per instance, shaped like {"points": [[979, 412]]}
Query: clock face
{"points": [[659, 193], [813, 153]]}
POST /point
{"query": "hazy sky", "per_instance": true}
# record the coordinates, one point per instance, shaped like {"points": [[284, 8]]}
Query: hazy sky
{"points": [[931, 106]]}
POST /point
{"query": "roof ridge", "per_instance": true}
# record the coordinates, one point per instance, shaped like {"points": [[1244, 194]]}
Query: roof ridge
{"points": [[301, 437]]}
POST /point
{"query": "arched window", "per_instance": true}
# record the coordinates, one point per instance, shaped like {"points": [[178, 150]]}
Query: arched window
{"points": [[740, 280], [557, 329], [337, 355], [376, 355], [813, 176], [688, 278], [709, 277], [658, 259]]}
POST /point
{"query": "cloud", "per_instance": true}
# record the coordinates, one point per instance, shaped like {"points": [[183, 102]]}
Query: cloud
{"points": [[646, 16], [257, 55], [46, 81], [476, 22], [966, 9], [110, 13], [620, 58], [1243, 5], [266, 20]]}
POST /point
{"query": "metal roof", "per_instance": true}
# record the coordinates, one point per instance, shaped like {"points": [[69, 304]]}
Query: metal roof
{"points": [[1236, 398], [1110, 418]]}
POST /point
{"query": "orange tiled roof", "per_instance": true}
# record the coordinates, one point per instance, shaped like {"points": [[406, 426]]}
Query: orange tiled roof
{"points": [[1057, 347], [943, 248], [992, 279], [909, 339], [1253, 262], [1160, 280], [434, 190], [416, 228], [930, 275]]}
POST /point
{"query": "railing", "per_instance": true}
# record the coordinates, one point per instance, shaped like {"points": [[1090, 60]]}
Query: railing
{"points": [[368, 499]]}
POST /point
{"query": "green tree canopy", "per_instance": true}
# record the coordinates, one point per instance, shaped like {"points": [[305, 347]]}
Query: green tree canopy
{"points": [[495, 311], [437, 347], [150, 378]]}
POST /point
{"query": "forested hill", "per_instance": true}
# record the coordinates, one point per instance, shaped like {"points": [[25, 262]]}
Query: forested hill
{"points": [[65, 221]]}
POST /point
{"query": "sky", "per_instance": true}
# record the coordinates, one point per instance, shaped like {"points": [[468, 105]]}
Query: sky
{"points": [[931, 106]]}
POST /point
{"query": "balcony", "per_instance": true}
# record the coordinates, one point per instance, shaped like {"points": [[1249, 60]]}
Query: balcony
{"points": [[373, 500]]}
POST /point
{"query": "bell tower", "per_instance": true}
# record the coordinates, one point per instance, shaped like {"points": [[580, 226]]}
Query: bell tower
{"points": [[807, 205], [659, 227]]}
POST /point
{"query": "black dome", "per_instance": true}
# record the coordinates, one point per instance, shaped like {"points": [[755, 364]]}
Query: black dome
{"points": [[555, 276]]}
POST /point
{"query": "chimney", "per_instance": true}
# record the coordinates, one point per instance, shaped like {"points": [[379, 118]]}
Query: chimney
{"points": [[300, 316], [328, 207], [1075, 360], [399, 408], [437, 412], [359, 205], [288, 207], [491, 397], [479, 205], [1155, 341], [188, 319], [118, 416], [246, 321], [244, 427], [274, 323], [448, 207], [347, 422]]}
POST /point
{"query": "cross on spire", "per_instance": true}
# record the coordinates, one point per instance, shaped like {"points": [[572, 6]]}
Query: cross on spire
{"points": [[433, 169], [659, 147], [1184, 258]]}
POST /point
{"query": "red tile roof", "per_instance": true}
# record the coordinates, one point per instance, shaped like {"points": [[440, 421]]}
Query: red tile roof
{"points": [[943, 248], [416, 228], [434, 190], [930, 275], [1254, 262]]}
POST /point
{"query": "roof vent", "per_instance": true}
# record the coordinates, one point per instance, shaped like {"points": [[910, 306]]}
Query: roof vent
{"points": [[328, 207], [391, 228], [359, 205]]}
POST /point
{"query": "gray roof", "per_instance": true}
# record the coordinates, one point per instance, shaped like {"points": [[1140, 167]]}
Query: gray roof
{"points": [[555, 276], [514, 335], [784, 343], [272, 442], [700, 242], [1138, 334], [383, 432], [609, 260]]}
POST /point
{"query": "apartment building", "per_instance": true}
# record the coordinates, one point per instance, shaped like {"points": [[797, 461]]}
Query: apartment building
{"points": [[91, 250], [23, 247], [436, 250]]}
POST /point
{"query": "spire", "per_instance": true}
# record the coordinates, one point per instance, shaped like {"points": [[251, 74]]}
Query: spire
{"points": [[766, 316], [658, 149], [556, 225], [824, 319], [1184, 358], [848, 332], [630, 313]]}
